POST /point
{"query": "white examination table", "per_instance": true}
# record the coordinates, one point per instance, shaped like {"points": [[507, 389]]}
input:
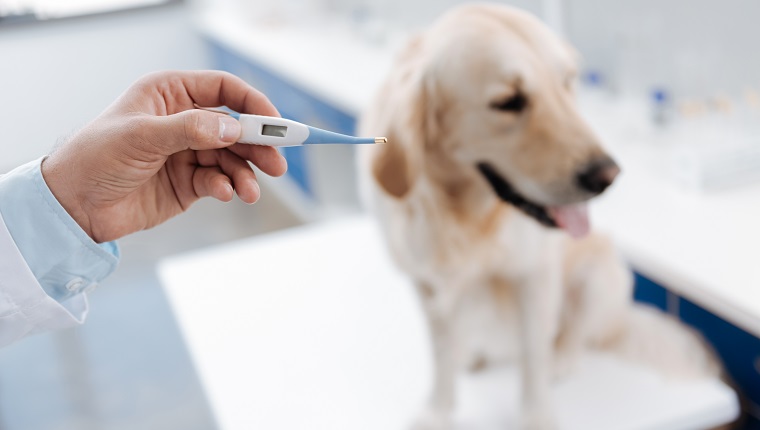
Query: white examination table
{"points": [[313, 328]]}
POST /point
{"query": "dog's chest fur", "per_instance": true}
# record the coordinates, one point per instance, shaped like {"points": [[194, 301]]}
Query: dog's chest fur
{"points": [[461, 243], [477, 253]]}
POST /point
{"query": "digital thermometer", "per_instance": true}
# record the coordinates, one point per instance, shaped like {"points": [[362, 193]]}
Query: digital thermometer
{"points": [[273, 131]]}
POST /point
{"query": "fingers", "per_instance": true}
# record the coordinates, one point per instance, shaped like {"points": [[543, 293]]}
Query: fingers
{"points": [[180, 89], [243, 178], [163, 122], [212, 182], [191, 129], [266, 158], [175, 126]]}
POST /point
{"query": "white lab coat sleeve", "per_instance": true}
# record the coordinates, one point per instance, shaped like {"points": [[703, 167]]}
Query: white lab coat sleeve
{"points": [[25, 308]]}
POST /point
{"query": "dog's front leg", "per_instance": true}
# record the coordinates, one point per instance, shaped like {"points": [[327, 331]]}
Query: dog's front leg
{"points": [[440, 307], [537, 316]]}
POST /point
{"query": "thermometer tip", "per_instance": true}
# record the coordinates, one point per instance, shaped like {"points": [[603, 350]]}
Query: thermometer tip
{"points": [[381, 140]]}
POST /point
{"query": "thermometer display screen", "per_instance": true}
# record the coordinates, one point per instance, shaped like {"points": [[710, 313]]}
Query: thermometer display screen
{"points": [[274, 130]]}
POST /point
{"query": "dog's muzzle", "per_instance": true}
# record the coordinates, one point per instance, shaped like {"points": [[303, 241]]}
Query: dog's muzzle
{"points": [[507, 193]]}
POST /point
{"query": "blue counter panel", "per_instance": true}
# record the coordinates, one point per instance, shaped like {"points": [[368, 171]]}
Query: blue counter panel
{"points": [[738, 350], [647, 291]]}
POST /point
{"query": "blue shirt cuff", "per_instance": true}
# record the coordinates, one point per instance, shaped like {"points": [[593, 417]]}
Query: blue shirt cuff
{"points": [[63, 258]]}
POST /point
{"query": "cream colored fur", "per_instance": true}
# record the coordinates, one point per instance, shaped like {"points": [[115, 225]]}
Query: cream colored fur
{"points": [[495, 285]]}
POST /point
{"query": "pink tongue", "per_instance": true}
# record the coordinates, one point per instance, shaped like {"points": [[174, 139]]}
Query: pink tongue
{"points": [[572, 218]]}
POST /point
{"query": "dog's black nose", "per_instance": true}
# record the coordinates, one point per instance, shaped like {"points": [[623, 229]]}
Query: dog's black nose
{"points": [[598, 175]]}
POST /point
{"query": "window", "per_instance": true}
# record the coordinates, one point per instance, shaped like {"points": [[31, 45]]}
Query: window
{"points": [[35, 10]]}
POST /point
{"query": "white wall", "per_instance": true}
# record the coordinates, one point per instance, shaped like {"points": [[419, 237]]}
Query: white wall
{"points": [[697, 48], [694, 48], [57, 76]]}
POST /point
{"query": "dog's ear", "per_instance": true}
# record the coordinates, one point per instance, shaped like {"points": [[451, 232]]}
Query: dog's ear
{"points": [[407, 122], [392, 168]]}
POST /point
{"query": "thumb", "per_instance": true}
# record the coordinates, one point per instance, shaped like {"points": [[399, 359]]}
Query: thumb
{"points": [[196, 129]]}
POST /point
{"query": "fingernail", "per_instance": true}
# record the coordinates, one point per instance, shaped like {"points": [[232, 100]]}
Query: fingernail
{"points": [[257, 193], [229, 129]]}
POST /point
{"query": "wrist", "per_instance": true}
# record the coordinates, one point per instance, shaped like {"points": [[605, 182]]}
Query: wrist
{"points": [[64, 189]]}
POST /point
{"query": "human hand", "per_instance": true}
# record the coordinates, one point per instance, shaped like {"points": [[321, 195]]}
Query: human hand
{"points": [[150, 155]]}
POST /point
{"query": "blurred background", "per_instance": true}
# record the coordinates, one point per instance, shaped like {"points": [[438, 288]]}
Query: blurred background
{"points": [[679, 78]]}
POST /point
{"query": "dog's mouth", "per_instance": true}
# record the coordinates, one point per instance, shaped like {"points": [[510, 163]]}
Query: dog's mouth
{"points": [[571, 218]]}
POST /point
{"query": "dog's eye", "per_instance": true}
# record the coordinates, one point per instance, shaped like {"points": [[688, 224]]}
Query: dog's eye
{"points": [[516, 103]]}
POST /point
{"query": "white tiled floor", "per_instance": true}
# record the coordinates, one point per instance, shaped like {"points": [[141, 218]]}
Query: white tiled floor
{"points": [[127, 367]]}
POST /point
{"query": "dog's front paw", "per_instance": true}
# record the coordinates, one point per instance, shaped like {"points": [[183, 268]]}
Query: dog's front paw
{"points": [[565, 365], [538, 421], [431, 419]]}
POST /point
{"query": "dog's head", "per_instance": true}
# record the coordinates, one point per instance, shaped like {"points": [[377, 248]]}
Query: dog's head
{"points": [[487, 94]]}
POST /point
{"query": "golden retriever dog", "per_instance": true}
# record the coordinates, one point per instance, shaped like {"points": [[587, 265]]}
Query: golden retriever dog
{"points": [[481, 193]]}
